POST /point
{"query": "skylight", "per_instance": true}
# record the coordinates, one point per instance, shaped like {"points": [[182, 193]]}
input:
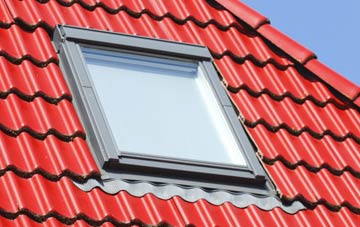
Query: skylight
{"points": [[155, 111], [161, 107]]}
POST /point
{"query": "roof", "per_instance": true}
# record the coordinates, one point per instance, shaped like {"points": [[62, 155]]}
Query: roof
{"points": [[303, 117]]}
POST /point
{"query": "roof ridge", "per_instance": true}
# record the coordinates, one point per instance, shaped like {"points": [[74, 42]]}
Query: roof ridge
{"points": [[297, 51]]}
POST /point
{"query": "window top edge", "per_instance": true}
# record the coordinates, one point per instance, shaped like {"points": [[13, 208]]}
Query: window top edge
{"points": [[130, 42]]}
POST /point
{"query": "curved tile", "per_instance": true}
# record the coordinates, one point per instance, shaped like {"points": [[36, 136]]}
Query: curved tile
{"points": [[340, 83], [29, 81], [306, 150], [321, 187], [39, 118], [318, 121], [249, 15], [230, 42], [39, 48], [38, 197], [39, 200], [201, 12], [50, 157], [285, 43], [22, 220], [204, 214], [5, 18], [299, 86]]}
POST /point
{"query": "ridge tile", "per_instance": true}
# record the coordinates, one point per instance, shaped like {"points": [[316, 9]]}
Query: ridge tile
{"points": [[334, 79], [290, 46], [250, 16]]}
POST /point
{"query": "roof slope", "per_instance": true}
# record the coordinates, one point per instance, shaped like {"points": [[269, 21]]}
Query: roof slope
{"points": [[303, 117]]}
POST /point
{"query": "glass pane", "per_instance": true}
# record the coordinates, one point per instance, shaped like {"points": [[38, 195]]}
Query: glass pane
{"points": [[161, 107]]}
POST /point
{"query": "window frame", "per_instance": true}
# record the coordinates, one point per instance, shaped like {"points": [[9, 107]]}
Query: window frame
{"points": [[130, 166]]}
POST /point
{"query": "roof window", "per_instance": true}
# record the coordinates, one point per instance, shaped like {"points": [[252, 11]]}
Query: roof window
{"points": [[155, 111]]}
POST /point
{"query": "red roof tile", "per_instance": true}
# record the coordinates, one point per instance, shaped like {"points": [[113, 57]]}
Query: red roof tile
{"points": [[294, 49], [320, 187], [39, 48], [51, 157], [308, 134], [234, 42], [291, 47], [250, 16], [297, 118], [29, 81], [23, 220], [5, 17], [277, 83], [124, 208], [39, 118], [304, 149], [346, 87]]}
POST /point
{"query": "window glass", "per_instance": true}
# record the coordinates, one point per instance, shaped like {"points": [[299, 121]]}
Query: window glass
{"points": [[161, 107]]}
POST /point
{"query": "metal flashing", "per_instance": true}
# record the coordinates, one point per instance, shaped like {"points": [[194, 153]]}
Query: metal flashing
{"points": [[165, 192], [129, 42]]}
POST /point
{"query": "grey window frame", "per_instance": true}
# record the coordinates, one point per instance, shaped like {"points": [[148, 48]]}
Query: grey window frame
{"points": [[68, 40]]}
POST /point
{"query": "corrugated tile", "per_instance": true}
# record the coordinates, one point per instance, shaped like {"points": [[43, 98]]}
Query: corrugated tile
{"points": [[17, 45], [231, 41], [228, 215], [307, 150], [29, 81], [5, 17], [278, 101], [39, 117], [51, 157], [200, 12], [25, 221], [277, 83], [318, 121], [321, 186], [38, 197]]}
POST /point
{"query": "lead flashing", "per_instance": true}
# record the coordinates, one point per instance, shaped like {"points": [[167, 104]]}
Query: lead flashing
{"points": [[165, 192]]}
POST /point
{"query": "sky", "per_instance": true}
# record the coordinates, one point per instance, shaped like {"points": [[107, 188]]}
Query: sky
{"points": [[329, 28]]}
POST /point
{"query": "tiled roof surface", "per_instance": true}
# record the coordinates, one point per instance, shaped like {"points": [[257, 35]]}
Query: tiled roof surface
{"points": [[303, 117]]}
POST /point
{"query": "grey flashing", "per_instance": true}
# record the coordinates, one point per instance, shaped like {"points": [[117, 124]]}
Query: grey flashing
{"points": [[121, 165], [165, 192], [127, 42]]}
